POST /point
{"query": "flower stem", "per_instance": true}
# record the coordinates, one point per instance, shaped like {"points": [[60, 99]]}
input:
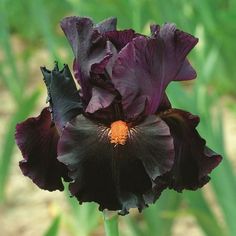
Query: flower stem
{"points": [[111, 224]]}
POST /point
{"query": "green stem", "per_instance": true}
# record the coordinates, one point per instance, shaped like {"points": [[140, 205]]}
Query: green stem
{"points": [[111, 224]]}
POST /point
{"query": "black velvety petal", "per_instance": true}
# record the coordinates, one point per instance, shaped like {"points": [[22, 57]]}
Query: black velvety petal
{"points": [[91, 49], [117, 177], [145, 66], [193, 159], [64, 98], [37, 139]]}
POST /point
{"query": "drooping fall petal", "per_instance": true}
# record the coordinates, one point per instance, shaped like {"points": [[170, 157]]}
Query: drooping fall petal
{"points": [[37, 139], [117, 177], [193, 159]]}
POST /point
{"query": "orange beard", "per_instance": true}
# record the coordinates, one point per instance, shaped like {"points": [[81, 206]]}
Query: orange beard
{"points": [[118, 133]]}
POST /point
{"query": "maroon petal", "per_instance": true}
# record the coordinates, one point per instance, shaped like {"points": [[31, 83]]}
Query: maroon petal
{"points": [[37, 139], [193, 159], [186, 71], [91, 49], [165, 104], [70, 27], [107, 115], [155, 29], [100, 99], [64, 98], [117, 177], [79, 29], [121, 38], [107, 25], [100, 66], [145, 66]]}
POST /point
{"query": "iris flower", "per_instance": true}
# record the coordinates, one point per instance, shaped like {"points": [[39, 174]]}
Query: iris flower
{"points": [[117, 140]]}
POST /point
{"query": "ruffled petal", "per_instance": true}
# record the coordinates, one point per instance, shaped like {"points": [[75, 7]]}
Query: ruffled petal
{"points": [[91, 49], [109, 114], [64, 98], [193, 159], [107, 25], [155, 29], [37, 139], [120, 38], [100, 99], [117, 177], [186, 72], [145, 66], [152, 143]]}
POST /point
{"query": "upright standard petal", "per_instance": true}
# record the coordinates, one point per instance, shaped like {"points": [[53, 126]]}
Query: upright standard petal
{"points": [[91, 49], [193, 159], [186, 71], [107, 25], [118, 177], [120, 38], [145, 66], [100, 99], [64, 98], [165, 104], [37, 139]]}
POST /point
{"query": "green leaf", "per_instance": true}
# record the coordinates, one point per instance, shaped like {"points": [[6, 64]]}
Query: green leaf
{"points": [[12, 80], [111, 224], [85, 217], [54, 227], [202, 211], [160, 217]]}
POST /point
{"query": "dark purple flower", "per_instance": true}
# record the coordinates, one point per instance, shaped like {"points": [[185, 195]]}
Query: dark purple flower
{"points": [[117, 140]]}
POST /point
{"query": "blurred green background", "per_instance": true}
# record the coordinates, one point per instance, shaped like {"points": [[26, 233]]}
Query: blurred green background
{"points": [[30, 37]]}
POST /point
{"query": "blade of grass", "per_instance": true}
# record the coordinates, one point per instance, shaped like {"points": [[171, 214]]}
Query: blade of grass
{"points": [[223, 179], [224, 174], [22, 113], [43, 20], [54, 227], [134, 228], [12, 81], [203, 213], [86, 216], [111, 225], [159, 217]]}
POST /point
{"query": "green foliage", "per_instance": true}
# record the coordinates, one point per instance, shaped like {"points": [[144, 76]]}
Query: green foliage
{"points": [[54, 227], [36, 23], [158, 218], [82, 219], [23, 111], [111, 225]]}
